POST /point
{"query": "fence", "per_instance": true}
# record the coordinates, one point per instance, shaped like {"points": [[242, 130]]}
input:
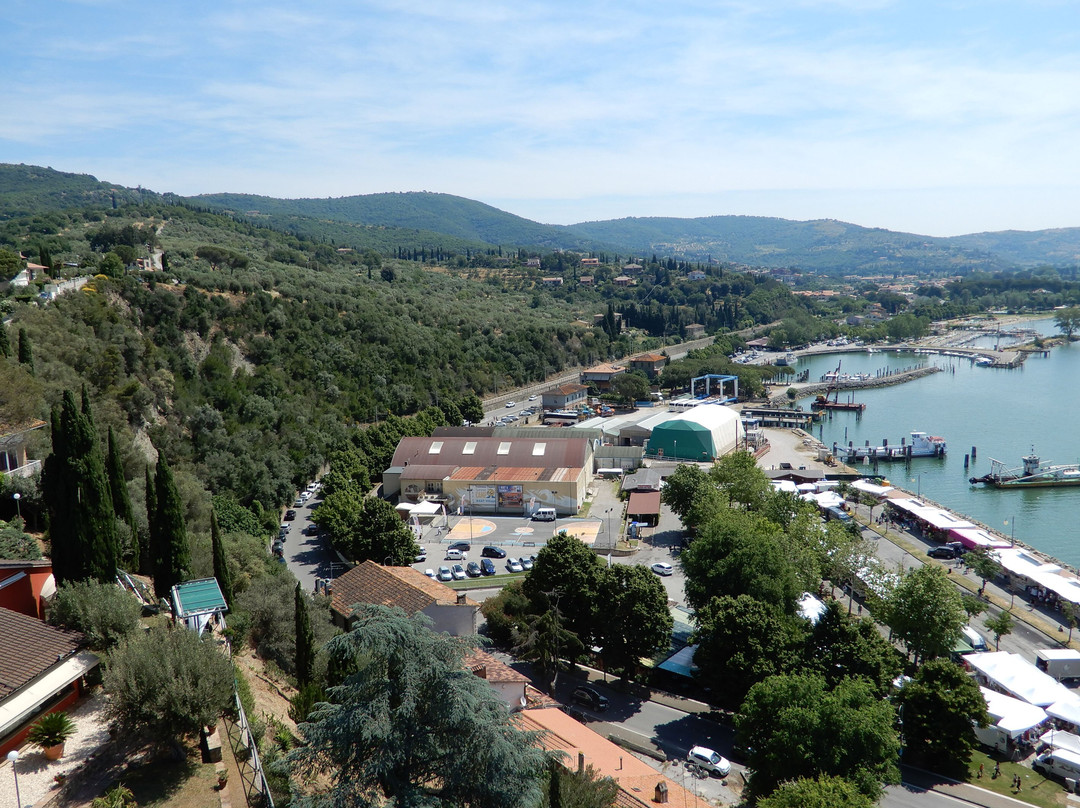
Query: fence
{"points": [[248, 763]]}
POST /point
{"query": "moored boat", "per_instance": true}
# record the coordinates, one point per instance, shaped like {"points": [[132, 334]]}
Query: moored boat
{"points": [[1032, 474], [921, 445]]}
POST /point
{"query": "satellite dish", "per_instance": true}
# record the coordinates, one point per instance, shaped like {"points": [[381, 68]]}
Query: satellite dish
{"points": [[523, 702]]}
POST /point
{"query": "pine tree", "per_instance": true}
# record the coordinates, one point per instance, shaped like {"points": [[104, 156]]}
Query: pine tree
{"points": [[82, 523], [168, 532], [5, 343], [26, 352], [221, 563], [305, 640], [121, 497]]}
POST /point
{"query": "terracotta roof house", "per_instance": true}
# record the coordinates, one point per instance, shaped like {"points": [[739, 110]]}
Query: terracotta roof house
{"points": [[497, 474], [650, 364], [42, 669], [563, 396], [601, 376], [407, 589], [640, 786], [511, 685], [590, 262]]}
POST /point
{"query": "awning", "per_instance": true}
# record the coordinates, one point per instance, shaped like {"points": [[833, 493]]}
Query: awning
{"points": [[1068, 710], [425, 508], [1012, 715], [1018, 677], [1060, 739], [24, 703], [681, 662]]}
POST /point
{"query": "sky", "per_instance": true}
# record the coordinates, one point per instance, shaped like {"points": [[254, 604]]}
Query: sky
{"points": [[939, 118]]}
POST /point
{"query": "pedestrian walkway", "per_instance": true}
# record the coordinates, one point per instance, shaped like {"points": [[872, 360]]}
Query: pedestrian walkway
{"points": [[922, 780]]}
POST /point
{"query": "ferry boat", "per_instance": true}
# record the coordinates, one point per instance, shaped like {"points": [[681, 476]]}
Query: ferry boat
{"points": [[787, 360], [1032, 474], [921, 445]]}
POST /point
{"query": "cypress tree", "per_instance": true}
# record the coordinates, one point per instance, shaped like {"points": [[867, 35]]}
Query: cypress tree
{"points": [[168, 532], [26, 352], [5, 343], [82, 523], [121, 497], [221, 564], [148, 548], [305, 640]]}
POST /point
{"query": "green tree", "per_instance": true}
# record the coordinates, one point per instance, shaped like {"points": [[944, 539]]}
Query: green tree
{"points": [[685, 486], [797, 728], [472, 408], [742, 641], [168, 532], [939, 707], [305, 640], [83, 538], [167, 683], [121, 497], [741, 554], [221, 562], [504, 612], [381, 535], [840, 647], [999, 626], [567, 572], [149, 553], [103, 612], [925, 611], [637, 621], [571, 788], [5, 343], [372, 260], [631, 387], [983, 565], [111, 265], [737, 475], [26, 351], [543, 640], [1068, 320], [818, 792], [15, 544], [410, 726]]}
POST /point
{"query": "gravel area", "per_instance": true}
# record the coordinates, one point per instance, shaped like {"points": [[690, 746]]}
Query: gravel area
{"points": [[36, 774]]}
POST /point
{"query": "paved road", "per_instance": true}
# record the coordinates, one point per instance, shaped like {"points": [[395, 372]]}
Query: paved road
{"points": [[308, 556]]}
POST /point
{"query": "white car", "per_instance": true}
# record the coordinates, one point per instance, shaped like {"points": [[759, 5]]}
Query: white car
{"points": [[458, 572], [445, 574], [513, 565], [532, 397], [707, 759], [510, 404], [662, 568], [304, 497], [430, 573]]}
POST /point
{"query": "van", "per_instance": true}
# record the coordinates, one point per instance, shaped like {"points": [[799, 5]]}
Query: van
{"points": [[975, 639], [544, 515], [1058, 763]]}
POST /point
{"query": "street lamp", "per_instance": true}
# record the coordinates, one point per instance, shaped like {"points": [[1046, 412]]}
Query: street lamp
{"points": [[17, 496], [13, 756], [675, 450], [919, 489], [1011, 524]]}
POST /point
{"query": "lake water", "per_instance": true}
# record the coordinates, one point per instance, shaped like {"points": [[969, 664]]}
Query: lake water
{"points": [[1002, 413]]}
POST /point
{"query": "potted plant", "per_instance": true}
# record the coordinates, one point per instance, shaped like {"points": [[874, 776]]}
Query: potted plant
{"points": [[50, 732], [222, 779]]}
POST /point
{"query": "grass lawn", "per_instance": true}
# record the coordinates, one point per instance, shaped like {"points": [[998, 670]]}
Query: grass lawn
{"points": [[1036, 790], [174, 784]]}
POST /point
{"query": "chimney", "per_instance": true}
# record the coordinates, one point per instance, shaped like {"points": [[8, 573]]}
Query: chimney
{"points": [[661, 792], [580, 762], [460, 598]]}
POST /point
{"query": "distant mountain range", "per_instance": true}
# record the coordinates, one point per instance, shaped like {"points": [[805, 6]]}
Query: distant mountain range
{"points": [[416, 219]]}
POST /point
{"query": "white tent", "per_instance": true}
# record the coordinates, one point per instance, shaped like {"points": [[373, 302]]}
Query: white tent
{"points": [[1012, 716], [810, 607], [1060, 739], [1018, 677], [1067, 710], [874, 490]]}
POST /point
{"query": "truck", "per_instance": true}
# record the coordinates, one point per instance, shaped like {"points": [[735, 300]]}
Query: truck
{"points": [[1059, 763], [1061, 663]]}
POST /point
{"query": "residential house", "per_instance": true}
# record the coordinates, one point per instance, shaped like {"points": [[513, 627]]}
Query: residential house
{"points": [[13, 440], [24, 586], [511, 686], [695, 331], [42, 669], [552, 281], [650, 364], [695, 275], [565, 396], [590, 262], [601, 376], [631, 269], [532, 263], [586, 280], [624, 280], [407, 589]]}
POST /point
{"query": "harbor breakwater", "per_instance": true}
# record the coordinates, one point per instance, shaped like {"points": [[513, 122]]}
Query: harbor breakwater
{"points": [[886, 379]]}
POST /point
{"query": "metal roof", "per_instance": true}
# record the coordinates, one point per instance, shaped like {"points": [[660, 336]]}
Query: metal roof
{"points": [[202, 596]]}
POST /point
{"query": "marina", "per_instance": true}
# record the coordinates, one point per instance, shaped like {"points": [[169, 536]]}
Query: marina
{"points": [[997, 410]]}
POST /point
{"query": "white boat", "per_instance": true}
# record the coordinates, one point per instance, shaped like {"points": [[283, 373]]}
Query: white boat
{"points": [[921, 445]]}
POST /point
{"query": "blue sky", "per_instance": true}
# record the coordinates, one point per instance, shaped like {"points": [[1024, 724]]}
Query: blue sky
{"points": [[934, 117]]}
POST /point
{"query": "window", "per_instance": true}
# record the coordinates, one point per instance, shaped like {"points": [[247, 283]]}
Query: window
{"points": [[435, 447], [470, 448], [504, 448], [539, 449]]}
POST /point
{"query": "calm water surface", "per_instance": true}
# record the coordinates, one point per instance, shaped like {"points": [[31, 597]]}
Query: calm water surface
{"points": [[1003, 414]]}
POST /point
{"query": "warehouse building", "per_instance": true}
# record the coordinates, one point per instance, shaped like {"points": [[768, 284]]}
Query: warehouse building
{"points": [[703, 434]]}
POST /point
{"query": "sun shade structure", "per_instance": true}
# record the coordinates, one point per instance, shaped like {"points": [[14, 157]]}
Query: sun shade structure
{"points": [[196, 602]]}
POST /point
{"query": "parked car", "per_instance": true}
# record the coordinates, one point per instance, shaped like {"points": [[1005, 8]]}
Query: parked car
{"points": [[944, 551], [526, 563], [445, 574], [513, 565], [429, 572], [707, 759], [458, 572], [311, 530], [305, 496], [590, 698], [464, 546], [486, 566], [662, 568], [421, 557], [299, 503], [290, 515], [493, 552], [472, 569], [454, 555]]}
